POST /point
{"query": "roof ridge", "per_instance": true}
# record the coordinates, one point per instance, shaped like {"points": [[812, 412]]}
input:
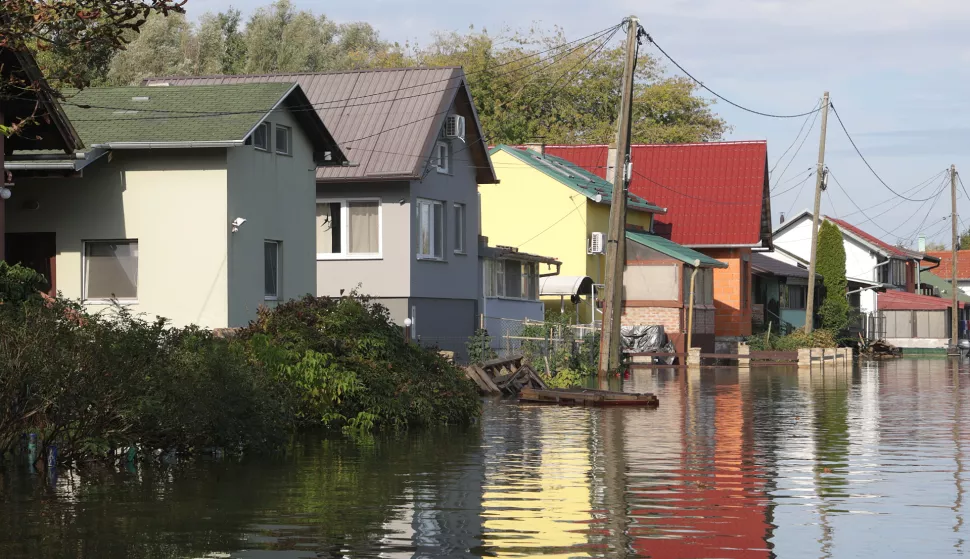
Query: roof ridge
{"points": [[280, 74]]}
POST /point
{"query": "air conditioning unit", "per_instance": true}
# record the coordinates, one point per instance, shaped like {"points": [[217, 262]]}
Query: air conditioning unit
{"points": [[597, 244], [455, 127]]}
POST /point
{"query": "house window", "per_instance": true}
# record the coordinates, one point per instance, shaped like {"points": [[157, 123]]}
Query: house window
{"points": [[110, 270], [283, 134], [441, 157], [271, 267], [460, 228], [348, 229], [261, 136], [793, 296], [511, 279], [431, 229], [703, 286]]}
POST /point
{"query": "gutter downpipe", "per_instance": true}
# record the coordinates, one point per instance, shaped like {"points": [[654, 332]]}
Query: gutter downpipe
{"points": [[690, 312]]}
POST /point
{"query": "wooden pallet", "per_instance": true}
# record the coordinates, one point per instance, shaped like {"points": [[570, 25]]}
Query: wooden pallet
{"points": [[587, 397]]}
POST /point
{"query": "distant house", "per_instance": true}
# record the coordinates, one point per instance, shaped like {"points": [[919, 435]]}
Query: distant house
{"points": [[780, 293], [191, 203], [717, 200], [945, 269], [550, 206], [401, 220], [510, 283], [871, 264], [917, 323]]}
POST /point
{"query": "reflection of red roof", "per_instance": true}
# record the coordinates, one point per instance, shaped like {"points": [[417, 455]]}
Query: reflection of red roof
{"points": [[902, 301], [715, 193], [895, 251], [945, 270]]}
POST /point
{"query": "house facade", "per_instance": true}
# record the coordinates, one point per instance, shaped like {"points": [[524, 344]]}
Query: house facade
{"points": [[400, 221], [945, 269], [200, 219], [718, 203], [780, 293], [547, 205]]}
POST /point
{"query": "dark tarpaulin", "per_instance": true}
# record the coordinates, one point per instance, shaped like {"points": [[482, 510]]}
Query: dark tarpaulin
{"points": [[646, 339]]}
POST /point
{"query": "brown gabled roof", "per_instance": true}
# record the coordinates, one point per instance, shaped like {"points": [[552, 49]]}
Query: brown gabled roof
{"points": [[53, 130], [385, 121]]}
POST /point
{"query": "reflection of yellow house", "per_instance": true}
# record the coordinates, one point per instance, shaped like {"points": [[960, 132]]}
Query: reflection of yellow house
{"points": [[550, 206], [547, 512]]}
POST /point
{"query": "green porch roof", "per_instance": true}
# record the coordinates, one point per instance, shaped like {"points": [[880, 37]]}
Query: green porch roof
{"points": [[673, 250], [574, 177], [198, 113], [944, 286]]}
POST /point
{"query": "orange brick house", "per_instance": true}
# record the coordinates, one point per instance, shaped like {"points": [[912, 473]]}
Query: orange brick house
{"points": [[717, 201]]}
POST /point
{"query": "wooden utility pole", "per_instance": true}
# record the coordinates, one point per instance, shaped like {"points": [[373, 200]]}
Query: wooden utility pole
{"points": [[955, 312], [819, 183], [616, 238]]}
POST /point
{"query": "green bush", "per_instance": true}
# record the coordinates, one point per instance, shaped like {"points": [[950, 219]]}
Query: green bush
{"points": [[351, 368], [479, 348], [834, 310], [566, 378], [19, 284], [796, 340]]}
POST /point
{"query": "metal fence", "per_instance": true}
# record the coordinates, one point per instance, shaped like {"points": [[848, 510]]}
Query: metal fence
{"points": [[540, 341]]}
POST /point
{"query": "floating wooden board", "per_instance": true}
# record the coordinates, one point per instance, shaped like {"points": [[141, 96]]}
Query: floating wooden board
{"points": [[587, 397]]}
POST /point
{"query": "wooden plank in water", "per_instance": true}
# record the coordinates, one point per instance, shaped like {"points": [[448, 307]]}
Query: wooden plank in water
{"points": [[487, 379], [583, 397]]}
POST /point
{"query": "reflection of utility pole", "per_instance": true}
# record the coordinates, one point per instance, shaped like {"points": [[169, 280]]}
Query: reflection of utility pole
{"points": [[614, 468], [957, 438]]}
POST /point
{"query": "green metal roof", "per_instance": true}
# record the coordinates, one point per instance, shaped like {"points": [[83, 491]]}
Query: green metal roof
{"points": [[575, 177], [944, 286], [199, 113], [673, 250]]}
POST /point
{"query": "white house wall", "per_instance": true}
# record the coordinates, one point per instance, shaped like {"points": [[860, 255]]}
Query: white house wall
{"points": [[276, 194], [173, 202]]}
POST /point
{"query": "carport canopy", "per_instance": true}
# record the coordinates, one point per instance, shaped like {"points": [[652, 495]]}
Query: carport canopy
{"points": [[565, 286]]}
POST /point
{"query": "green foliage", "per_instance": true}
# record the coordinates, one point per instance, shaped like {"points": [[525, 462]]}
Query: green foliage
{"points": [[796, 340], [566, 378], [834, 310], [350, 367], [19, 284], [479, 348]]}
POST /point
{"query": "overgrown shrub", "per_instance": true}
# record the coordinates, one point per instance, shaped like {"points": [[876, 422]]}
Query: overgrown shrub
{"points": [[566, 378], [352, 369], [479, 348], [19, 284]]}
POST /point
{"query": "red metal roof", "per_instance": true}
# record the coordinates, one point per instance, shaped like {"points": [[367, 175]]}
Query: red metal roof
{"points": [[903, 301], [715, 193], [895, 251], [945, 270]]}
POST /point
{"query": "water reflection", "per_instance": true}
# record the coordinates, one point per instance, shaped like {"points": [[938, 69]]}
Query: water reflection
{"points": [[772, 463]]}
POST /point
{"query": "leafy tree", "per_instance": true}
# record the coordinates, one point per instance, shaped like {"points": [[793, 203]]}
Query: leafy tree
{"points": [[940, 246], [73, 41], [165, 46], [831, 265]]}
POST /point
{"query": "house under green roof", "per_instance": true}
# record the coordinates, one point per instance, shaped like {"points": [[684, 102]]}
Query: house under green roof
{"points": [[944, 286], [678, 252], [190, 116], [575, 177]]}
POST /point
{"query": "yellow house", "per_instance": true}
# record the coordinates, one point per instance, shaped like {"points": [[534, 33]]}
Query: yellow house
{"points": [[547, 205]]}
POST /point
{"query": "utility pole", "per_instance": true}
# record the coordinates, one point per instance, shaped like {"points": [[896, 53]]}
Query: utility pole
{"points": [[609, 357], [819, 183], [955, 312]]}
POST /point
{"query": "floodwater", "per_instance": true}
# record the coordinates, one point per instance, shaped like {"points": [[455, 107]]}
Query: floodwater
{"points": [[773, 463]]}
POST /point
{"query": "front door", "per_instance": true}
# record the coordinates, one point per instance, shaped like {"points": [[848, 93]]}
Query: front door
{"points": [[37, 251]]}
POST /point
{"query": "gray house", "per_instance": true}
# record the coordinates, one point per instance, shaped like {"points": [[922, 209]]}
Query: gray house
{"points": [[400, 223]]}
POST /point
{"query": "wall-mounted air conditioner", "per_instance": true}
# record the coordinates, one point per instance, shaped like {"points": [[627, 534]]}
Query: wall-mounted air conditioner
{"points": [[597, 243], [455, 127]]}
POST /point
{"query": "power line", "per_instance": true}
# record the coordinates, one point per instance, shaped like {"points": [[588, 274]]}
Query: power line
{"points": [[911, 190], [797, 151], [868, 219], [721, 97], [799, 184], [959, 178], [798, 194], [864, 160], [793, 142]]}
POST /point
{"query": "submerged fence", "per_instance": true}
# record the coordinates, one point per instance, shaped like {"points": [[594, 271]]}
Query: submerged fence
{"points": [[561, 344]]}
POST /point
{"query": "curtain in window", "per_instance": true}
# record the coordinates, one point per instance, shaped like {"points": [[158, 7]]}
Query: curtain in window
{"points": [[111, 270], [424, 229], [271, 268], [328, 228], [364, 228]]}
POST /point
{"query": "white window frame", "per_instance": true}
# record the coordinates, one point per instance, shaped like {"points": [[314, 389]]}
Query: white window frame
{"points": [[265, 126], [84, 275], [289, 140], [444, 231], [442, 164], [279, 269], [344, 253], [460, 226]]}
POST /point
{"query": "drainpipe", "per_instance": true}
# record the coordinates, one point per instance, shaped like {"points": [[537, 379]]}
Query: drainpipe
{"points": [[690, 312]]}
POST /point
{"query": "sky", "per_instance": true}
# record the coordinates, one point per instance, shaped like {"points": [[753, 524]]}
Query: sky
{"points": [[898, 72]]}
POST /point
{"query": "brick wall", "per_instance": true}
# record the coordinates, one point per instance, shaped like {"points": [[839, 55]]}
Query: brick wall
{"points": [[669, 318], [730, 318]]}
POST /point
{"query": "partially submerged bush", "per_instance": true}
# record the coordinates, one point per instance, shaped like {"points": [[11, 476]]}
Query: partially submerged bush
{"points": [[351, 367]]}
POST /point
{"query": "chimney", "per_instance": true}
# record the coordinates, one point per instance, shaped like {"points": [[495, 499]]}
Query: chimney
{"points": [[611, 164], [921, 243], [538, 148], [782, 220]]}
